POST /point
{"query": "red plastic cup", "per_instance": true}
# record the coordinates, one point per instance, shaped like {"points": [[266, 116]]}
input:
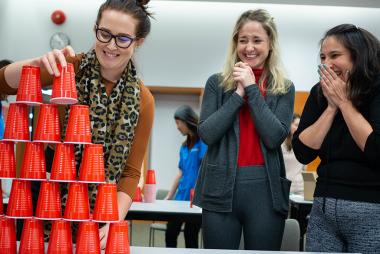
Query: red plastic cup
{"points": [[48, 129], [33, 166], [1, 200], [88, 238], [29, 88], [64, 87], [63, 168], [17, 125], [117, 241], [20, 200], [32, 237], [60, 241], [137, 197], [49, 201], [78, 128], [150, 187], [150, 177], [92, 166], [7, 160], [7, 236], [77, 206], [106, 209], [191, 197]]}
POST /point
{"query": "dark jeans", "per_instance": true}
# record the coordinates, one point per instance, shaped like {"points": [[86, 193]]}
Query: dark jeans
{"points": [[191, 232], [252, 212]]}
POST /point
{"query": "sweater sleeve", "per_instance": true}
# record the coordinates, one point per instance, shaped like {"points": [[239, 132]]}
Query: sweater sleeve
{"points": [[310, 115], [46, 78], [131, 174], [215, 121], [372, 145], [272, 126]]}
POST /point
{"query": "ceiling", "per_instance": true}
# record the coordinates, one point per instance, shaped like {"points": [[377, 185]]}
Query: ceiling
{"points": [[349, 3]]}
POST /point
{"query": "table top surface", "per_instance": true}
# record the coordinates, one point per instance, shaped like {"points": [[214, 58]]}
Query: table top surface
{"points": [[299, 199], [155, 250], [165, 206]]}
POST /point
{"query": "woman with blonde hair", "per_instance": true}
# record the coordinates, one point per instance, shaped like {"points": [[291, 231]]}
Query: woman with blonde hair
{"points": [[245, 117]]}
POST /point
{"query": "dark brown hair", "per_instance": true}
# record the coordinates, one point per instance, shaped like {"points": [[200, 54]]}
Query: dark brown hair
{"points": [[136, 8], [288, 140], [364, 49], [4, 63]]}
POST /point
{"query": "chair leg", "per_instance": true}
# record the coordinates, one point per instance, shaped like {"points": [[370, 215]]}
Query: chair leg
{"points": [[201, 239], [130, 233], [154, 231]]}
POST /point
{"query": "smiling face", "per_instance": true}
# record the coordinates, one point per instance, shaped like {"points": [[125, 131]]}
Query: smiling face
{"points": [[253, 44], [110, 56], [336, 56]]}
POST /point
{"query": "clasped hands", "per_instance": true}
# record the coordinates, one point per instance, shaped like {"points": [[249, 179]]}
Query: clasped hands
{"points": [[243, 76], [333, 87]]}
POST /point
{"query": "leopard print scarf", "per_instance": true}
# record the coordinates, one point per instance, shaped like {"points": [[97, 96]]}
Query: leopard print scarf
{"points": [[113, 118]]}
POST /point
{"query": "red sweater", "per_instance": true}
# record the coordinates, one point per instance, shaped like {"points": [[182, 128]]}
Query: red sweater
{"points": [[250, 153]]}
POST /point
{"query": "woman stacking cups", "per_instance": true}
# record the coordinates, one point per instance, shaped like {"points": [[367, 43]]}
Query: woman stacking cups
{"points": [[105, 80]]}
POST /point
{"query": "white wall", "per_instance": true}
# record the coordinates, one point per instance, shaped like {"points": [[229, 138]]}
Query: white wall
{"points": [[188, 40], [187, 44]]}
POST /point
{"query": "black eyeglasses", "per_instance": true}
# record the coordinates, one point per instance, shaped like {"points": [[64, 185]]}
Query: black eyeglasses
{"points": [[122, 41]]}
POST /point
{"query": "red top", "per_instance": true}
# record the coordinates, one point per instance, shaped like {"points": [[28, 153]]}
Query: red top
{"points": [[250, 153]]}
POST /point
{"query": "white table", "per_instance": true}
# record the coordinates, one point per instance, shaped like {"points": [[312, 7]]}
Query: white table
{"points": [[164, 210], [155, 250], [147, 250], [299, 199]]}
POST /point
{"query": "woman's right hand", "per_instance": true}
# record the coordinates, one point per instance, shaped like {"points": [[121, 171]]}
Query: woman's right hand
{"points": [[330, 104], [54, 57], [240, 89]]}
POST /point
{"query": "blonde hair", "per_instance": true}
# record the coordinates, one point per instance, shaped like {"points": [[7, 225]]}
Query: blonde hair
{"points": [[272, 67]]}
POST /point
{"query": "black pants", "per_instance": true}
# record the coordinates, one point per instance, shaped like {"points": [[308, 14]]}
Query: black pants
{"points": [[191, 233], [252, 213]]}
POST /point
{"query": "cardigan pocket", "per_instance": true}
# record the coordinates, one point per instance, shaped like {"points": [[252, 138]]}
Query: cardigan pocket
{"points": [[214, 181]]}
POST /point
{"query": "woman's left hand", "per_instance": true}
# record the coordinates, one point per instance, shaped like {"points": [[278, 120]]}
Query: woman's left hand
{"points": [[243, 74], [103, 235], [334, 87]]}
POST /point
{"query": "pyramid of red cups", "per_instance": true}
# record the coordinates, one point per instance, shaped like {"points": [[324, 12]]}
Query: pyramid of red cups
{"points": [[63, 170]]}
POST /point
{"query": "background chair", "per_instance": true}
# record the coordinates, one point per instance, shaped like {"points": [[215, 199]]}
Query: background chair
{"points": [[161, 194], [291, 236]]}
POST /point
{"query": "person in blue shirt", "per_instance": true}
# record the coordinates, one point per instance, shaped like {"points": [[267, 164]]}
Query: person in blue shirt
{"points": [[190, 157]]}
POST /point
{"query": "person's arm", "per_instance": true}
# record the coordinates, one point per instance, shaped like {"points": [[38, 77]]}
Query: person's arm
{"points": [[272, 126], [314, 135], [174, 186], [47, 62], [215, 122], [336, 89], [131, 174], [311, 113]]}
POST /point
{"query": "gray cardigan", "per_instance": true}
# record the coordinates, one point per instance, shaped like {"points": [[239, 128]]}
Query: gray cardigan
{"points": [[219, 129]]}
